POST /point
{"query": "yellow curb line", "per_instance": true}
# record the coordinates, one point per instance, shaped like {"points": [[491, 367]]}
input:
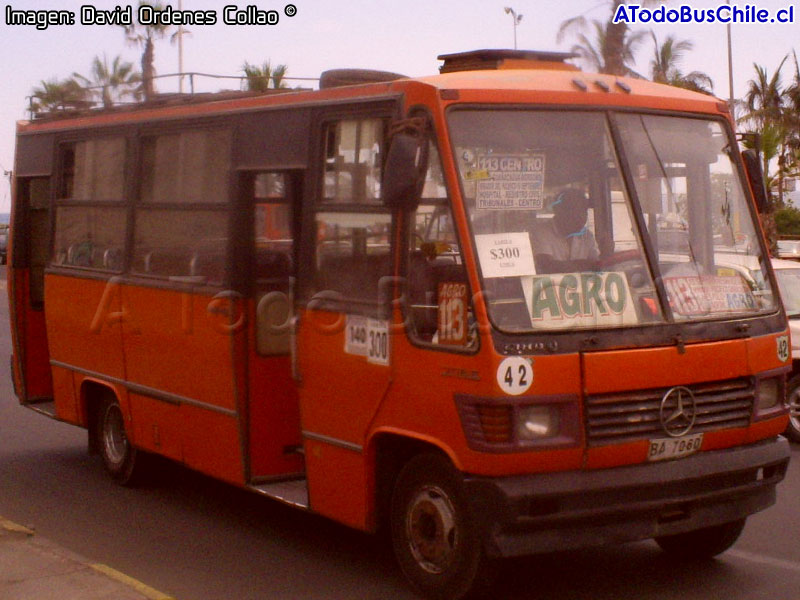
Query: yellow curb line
{"points": [[143, 589], [11, 526]]}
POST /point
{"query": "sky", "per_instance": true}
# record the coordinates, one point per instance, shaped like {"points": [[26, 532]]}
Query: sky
{"points": [[403, 37]]}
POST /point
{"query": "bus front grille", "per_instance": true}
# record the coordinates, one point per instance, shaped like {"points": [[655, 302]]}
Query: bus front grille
{"points": [[634, 415]]}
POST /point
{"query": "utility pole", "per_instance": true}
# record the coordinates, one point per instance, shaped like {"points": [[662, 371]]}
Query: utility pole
{"points": [[517, 18], [180, 51], [730, 70]]}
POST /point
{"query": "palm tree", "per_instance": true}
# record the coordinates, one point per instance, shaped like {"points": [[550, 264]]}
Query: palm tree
{"points": [[111, 82], [768, 115], [614, 46], [257, 79], [145, 36], [55, 96], [664, 66], [765, 95]]}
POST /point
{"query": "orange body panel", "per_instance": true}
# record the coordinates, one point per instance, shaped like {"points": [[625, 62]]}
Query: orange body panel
{"points": [[337, 483], [211, 443], [157, 426], [339, 395], [82, 328], [66, 400], [174, 344], [623, 370]]}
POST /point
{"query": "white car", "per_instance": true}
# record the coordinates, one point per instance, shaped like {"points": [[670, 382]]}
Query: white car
{"points": [[789, 249], [787, 272]]}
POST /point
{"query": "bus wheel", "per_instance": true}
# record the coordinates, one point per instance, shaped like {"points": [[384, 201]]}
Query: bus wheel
{"points": [[702, 543], [435, 538], [119, 456], [793, 428]]}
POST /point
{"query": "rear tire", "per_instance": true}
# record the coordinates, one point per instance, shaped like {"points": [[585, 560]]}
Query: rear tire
{"points": [[121, 460], [702, 543], [434, 534], [793, 394]]}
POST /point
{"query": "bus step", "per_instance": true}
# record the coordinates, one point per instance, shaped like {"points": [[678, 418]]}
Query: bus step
{"points": [[47, 408], [292, 491]]}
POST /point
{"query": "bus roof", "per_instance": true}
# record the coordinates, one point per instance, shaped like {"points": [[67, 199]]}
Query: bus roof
{"points": [[545, 84]]}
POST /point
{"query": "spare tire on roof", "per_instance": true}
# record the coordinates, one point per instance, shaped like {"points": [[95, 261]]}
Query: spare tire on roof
{"points": [[340, 77]]}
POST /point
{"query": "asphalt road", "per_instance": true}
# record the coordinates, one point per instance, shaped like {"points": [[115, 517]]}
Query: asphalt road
{"points": [[198, 539]]}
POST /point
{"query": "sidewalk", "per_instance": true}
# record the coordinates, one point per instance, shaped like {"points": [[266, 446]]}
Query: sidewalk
{"points": [[32, 568]]}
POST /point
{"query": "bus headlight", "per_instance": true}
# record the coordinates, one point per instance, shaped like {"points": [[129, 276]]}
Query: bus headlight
{"points": [[537, 422], [770, 397], [768, 394]]}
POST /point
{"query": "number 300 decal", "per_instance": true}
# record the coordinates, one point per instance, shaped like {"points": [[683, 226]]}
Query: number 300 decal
{"points": [[515, 375]]}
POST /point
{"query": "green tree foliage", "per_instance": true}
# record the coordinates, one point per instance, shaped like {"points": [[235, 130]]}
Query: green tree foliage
{"points": [[787, 220], [605, 46], [111, 83], [664, 66], [258, 78], [56, 96]]}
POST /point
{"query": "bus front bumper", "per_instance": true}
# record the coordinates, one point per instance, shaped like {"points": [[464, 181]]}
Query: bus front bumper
{"points": [[559, 511]]}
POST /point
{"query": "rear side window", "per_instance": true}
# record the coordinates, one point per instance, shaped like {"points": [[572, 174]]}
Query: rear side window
{"points": [[90, 220]]}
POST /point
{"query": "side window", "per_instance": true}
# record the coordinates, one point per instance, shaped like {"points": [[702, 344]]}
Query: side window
{"points": [[90, 216], [181, 219], [439, 303], [353, 229], [353, 161]]}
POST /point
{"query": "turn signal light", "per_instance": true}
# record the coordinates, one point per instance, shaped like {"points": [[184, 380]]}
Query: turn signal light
{"points": [[495, 422]]}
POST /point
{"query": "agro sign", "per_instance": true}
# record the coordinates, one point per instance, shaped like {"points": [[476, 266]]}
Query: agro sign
{"points": [[579, 300], [511, 182]]}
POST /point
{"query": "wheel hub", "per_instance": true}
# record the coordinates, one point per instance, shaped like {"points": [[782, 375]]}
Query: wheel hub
{"points": [[431, 529], [115, 441]]}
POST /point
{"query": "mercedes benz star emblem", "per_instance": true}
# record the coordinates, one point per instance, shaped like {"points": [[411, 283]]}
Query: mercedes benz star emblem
{"points": [[678, 411]]}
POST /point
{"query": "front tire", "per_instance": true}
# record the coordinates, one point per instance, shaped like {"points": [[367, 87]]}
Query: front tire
{"points": [[702, 543], [120, 458], [434, 534], [793, 394]]}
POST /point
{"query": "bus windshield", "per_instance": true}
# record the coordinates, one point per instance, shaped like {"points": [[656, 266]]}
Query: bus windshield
{"points": [[563, 241]]}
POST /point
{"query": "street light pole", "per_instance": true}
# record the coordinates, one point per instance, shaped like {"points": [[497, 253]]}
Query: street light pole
{"points": [[517, 18], [180, 51], [730, 68]]}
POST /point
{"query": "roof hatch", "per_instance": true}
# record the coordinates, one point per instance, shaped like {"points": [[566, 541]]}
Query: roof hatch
{"points": [[480, 60]]}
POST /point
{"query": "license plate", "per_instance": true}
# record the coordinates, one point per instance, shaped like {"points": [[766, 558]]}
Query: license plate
{"points": [[666, 448]]}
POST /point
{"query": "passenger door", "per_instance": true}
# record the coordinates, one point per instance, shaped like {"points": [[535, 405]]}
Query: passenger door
{"points": [[343, 347], [272, 198], [28, 251]]}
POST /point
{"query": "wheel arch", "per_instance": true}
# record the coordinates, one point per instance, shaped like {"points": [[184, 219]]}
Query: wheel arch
{"points": [[93, 392], [389, 451]]}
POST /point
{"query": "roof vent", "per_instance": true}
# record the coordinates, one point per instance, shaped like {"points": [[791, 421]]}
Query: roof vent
{"points": [[479, 60], [341, 77]]}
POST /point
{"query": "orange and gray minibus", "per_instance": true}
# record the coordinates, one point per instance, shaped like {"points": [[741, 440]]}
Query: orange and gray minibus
{"points": [[507, 309]]}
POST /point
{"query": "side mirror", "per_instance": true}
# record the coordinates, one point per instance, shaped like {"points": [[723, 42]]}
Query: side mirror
{"points": [[752, 166], [404, 171]]}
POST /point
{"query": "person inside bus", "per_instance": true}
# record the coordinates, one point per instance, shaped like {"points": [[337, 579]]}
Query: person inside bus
{"points": [[565, 244]]}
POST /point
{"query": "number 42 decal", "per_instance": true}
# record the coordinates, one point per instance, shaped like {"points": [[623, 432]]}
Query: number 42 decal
{"points": [[515, 375]]}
